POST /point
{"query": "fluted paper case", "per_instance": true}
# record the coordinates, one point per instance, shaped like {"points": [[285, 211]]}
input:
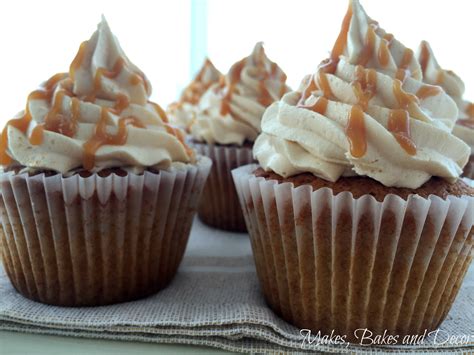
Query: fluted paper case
{"points": [[77, 241], [338, 263]]}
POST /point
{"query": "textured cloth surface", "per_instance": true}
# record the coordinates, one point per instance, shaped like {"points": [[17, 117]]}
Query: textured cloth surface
{"points": [[215, 300]]}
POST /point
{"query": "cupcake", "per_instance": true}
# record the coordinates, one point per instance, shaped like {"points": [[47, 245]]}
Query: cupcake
{"points": [[226, 125], [183, 112], [453, 85], [356, 213], [98, 190]]}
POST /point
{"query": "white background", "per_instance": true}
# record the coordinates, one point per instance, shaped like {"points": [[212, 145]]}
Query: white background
{"points": [[40, 38]]}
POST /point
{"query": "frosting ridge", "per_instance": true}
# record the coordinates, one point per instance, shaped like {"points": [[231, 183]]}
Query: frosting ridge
{"points": [[359, 115], [96, 116], [183, 112], [230, 111]]}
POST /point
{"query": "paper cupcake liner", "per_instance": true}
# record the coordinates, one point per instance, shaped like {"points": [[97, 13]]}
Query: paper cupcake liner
{"points": [[77, 241], [338, 263], [219, 206]]}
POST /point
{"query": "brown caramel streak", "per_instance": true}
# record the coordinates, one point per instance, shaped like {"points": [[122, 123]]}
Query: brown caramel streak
{"points": [[102, 137], [399, 126]]}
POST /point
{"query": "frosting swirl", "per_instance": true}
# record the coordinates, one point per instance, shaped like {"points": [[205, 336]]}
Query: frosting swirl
{"points": [[454, 87], [355, 116], [183, 112], [230, 111], [96, 116]]}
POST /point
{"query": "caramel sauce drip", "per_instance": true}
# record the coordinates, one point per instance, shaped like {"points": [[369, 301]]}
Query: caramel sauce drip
{"points": [[102, 137], [401, 75], [341, 40], [234, 78], [403, 72], [469, 122], [103, 72], [404, 99], [321, 103], [329, 65], [320, 106], [424, 56], [283, 84], [356, 133], [265, 99], [121, 104], [406, 59], [159, 111], [368, 49], [181, 138], [55, 121], [193, 92], [323, 84], [200, 75], [364, 86], [427, 91], [389, 38], [383, 54], [399, 126], [470, 110], [399, 120], [309, 88], [439, 77], [78, 59], [22, 123], [135, 79]]}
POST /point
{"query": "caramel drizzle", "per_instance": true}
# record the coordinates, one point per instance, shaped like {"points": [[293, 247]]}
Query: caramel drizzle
{"points": [[424, 56], [341, 40], [399, 126], [57, 122], [78, 59], [404, 99], [470, 110], [383, 54], [234, 78], [440, 77], [323, 84], [309, 88], [22, 123], [264, 98], [320, 105], [102, 137], [427, 91], [365, 88], [469, 122], [178, 133], [356, 132], [403, 72], [399, 120], [159, 111], [368, 48], [194, 91]]}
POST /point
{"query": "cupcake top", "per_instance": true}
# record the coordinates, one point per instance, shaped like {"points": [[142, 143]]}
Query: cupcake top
{"points": [[183, 112], [365, 112], [454, 87], [94, 117], [230, 112]]}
